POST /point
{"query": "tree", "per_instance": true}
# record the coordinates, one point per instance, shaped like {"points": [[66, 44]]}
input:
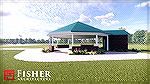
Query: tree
{"points": [[21, 41], [26, 41], [121, 28], [42, 41], [16, 41], [139, 36], [1, 41], [130, 38], [148, 38], [38, 41]]}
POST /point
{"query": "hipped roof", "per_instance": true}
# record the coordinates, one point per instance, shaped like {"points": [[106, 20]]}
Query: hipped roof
{"points": [[81, 27]]}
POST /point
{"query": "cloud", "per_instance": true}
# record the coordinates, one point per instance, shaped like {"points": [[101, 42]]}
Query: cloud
{"points": [[68, 11], [34, 30], [57, 18], [18, 24], [45, 17], [84, 18], [106, 20], [4, 13], [143, 4], [50, 11], [105, 23], [114, 22], [106, 16]]}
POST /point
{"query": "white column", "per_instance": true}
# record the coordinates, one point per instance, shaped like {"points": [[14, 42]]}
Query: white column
{"points": [[68, 41], [107, 42], [49, 40], [72, 40], [52, 40], [96, 40], [57, 41]]}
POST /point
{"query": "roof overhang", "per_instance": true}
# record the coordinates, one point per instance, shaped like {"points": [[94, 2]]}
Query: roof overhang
{"points": [[76, 34]]}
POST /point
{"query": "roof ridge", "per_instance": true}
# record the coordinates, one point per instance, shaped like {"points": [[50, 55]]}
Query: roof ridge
{"points": [[75, 24], [88, 25]]}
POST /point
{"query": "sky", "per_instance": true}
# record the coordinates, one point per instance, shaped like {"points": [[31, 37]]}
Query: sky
{"points": [[29, 19]]}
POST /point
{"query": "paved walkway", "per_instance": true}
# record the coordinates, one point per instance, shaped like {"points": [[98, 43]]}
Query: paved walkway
{"points": [[36, 55]]}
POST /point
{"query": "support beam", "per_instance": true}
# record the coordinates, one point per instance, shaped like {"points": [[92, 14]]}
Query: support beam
{"points": [[57, 41], [107, 43], [49, 41], [96, 40], [72, 40], [68, 41], [52, 40]]}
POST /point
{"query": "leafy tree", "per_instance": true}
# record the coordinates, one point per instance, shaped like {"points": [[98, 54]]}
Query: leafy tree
{"points": [[42, 41], [1, 41], [21, 41], [139, 36], [148, 38], [130, 38], [38, 41], [121, 28], [17, 41]]}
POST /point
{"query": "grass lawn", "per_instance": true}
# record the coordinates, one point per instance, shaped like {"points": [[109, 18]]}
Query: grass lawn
{"points": [[139, 46], [35, 45], [130, 46], [25, 46], [126, 71], [143, 47]]}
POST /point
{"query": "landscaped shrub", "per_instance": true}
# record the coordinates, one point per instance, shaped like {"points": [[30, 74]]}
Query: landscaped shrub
{"points": [[48, 49], [45, 50], [93, 53], [78, 51]]}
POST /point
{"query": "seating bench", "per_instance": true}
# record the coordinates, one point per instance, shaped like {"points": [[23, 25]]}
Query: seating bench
{"points": [[62, 46]]}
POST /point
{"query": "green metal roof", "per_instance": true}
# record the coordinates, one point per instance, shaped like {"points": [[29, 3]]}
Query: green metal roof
{"points": [[116, 32], [81, 27], [77, 27]]}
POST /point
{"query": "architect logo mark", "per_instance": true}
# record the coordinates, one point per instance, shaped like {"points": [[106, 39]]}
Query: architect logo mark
{"points": [[9, 74]]}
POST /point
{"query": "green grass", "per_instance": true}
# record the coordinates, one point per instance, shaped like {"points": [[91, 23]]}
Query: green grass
{"points": [[25, 46], [130, 46], [36, 45], [139, 46], [143, 47], [123, 71]]}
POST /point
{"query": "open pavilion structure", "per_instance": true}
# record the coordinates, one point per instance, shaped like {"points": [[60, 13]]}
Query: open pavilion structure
{"points": [[78, 30]]}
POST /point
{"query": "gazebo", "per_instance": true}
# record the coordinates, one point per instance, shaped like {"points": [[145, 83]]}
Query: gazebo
{"points": [[78, 30]]}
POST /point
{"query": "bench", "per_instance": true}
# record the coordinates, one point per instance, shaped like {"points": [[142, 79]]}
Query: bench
{"points": [[62, 46]]}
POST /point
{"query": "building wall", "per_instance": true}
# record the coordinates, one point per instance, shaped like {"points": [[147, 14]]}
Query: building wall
{"points": [[118, 42]]}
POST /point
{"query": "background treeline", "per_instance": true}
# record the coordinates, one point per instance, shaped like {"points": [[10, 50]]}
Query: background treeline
{"points": [[22, 41], [139, 37]]}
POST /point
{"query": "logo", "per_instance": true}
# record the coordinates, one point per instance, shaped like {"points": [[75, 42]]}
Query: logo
{"points": [[9, 74], [26, 75], [33, 75]]}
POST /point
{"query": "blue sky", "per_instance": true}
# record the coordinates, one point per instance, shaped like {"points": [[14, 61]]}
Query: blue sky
{"points": [[36, 19]]}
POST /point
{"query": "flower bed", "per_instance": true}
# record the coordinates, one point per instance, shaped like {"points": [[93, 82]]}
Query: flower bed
{"points": [[79, 51]]}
